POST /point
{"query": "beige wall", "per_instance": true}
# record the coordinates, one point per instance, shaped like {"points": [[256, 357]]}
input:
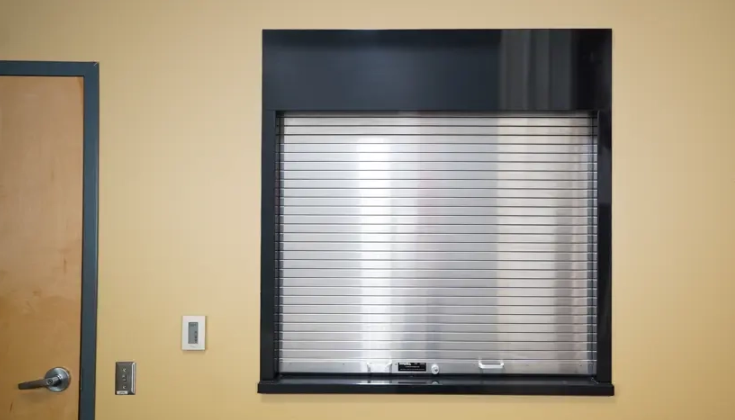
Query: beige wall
{"points": [[179, 210]]}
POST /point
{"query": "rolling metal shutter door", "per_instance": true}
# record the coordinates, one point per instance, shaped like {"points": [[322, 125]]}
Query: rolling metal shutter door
{"points": [[462, 241]]}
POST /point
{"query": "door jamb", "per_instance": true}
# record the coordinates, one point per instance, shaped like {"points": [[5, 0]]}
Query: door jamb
{"points": [[89, 72]]}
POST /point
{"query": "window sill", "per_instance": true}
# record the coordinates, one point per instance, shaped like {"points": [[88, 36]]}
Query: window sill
{"points": [[467, 386]]}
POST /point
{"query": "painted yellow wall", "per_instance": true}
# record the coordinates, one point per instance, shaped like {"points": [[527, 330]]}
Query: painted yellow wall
{"points": [[179, 210]]}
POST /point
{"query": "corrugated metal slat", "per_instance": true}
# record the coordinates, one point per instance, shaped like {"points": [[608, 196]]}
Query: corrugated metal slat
{"points": [[439, 239]]}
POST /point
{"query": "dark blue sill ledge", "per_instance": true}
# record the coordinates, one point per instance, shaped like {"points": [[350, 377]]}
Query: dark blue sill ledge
{"points": [[581, 386]]}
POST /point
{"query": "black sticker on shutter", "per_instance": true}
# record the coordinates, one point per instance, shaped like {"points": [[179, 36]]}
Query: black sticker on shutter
{"points": [[412, 367]]}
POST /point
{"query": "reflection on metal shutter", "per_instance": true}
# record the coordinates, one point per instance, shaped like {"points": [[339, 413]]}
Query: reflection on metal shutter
{"points": [[462, 241]]}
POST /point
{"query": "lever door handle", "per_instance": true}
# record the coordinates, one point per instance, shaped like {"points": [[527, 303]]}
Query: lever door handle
{"points": [[55, 380]]}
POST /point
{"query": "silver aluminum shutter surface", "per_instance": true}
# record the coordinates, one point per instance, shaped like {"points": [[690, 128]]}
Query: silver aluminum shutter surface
{"points": [[462, 241]]}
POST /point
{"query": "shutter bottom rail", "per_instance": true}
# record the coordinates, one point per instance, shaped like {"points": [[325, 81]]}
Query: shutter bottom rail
{"points": [[540, 385]]}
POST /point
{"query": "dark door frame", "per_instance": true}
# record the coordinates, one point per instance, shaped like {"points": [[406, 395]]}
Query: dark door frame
{"points": [[89, 72]]}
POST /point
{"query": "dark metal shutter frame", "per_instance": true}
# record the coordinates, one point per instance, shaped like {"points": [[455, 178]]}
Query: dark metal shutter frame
{"points": [[461, 241]]}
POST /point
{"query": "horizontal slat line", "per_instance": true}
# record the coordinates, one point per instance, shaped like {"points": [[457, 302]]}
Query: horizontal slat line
{"points": [[391, 152], [283, 259], [439, 342], [463, 233], [517, 349], [414, 261], [367, 288], [452, 324], [337, 333], [479, 352], [454, 188], [551, 327], [490, 180], [437, 252], [440, 314], [591, 135], [576, 199], [432, 278], [339, 243], [444, 333], [475, 182], [583, 207], [429, 126], [371, 205], [433, 225], [433, 359], [458, 280], [439, 324], [391, 310], [587, 318], [475, 166], [435, 306], [459, 287], [448, 234], [581, 197], [417, 120], [527, 162], [491, 183], [584, 243], [444, 224], [439, 114], [585, 281], [398, 298], [402, 305], [581, 333], [442, 243], [400, 332], [394, 138], [338, 246], [445, 126], [473, 351], [336, 285], [445, 121], [440, 170], [440, 269], [292, 120], [291, 117], [325, 260], [582, 323], [334, 143], [591, 194], [369, 140]]}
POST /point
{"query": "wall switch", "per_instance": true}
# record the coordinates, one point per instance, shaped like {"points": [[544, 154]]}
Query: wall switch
{"points": [[193, 333], [125, 378]]}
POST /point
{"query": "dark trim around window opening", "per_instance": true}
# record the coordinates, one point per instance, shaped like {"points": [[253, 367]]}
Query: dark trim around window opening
{"points": [[530, 70]]}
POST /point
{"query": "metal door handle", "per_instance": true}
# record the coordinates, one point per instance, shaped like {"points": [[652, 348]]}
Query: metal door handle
{"points": [[55, 380], [497, 366]]}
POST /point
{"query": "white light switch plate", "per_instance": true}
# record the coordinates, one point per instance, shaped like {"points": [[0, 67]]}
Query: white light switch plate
{"points": [[193, 332]]}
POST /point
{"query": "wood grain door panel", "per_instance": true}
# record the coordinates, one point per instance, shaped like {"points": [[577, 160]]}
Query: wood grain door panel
{"points": [[41, 172]]}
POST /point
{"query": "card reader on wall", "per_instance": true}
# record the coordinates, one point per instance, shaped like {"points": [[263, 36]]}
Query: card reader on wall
{"points": [[193, 333]]}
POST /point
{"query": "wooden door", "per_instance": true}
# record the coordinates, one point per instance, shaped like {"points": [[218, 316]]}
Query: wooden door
{"points": [[41, 139]]}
